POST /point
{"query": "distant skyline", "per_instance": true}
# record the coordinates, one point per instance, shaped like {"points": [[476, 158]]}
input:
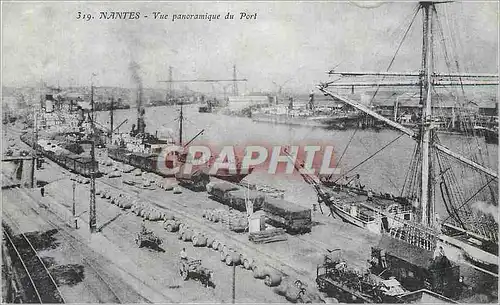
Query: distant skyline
{"points": [[290, 44]]}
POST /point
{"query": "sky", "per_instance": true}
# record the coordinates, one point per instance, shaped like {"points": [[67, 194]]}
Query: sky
{"points": [[290, 44]]}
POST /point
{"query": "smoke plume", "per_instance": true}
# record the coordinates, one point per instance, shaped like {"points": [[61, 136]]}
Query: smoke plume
{"points": [[136, 78], [486, 208]]}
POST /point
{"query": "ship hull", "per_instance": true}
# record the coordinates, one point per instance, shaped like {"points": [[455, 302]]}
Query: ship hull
{"points": [[330, 122]]}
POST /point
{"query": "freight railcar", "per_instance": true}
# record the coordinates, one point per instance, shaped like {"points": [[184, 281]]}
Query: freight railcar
{"points": [[283, 214], [64, 158]]}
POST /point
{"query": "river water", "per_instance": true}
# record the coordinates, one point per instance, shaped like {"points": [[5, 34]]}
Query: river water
{"points": [[385, 172]]}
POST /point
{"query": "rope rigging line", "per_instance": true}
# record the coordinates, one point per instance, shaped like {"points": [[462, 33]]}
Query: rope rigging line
{"points": [[411, 168], [445, 50], [477, 192], [474, 222], [445, 193], [397, 50], [359, 164], [417, 8], [386, 172]]}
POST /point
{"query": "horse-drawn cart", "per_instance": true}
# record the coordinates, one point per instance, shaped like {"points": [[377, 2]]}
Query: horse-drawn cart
{"points": [[193, 269]]}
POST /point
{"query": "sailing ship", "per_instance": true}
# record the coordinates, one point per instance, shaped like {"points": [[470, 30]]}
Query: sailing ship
{"points": [[431, 172]]}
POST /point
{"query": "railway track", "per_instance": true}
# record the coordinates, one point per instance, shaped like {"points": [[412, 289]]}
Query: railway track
{"points": [[117, 295], [39, 286]]}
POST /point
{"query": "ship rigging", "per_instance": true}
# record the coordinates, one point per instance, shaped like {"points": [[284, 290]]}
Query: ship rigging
{"points": [[431, 169]]}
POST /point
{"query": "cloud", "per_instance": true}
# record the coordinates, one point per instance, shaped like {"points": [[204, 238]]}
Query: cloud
{"points": [[368, 4]]}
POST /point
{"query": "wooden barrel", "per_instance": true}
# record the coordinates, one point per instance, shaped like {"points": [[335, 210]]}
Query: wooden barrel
{"points": [[291, 293], [272, 278], [210, 241], [181, 231], [232, 258], [199, 240], [168, 216], [222, 256], [187, 235], [243, 222], [177, 190], [259, 272], [156, 215], [140, 211], [248, 263], [220, 246], [215, 244], [168, 225]]}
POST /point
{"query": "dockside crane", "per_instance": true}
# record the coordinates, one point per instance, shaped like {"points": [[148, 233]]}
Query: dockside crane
{"points": [[235, 80]]}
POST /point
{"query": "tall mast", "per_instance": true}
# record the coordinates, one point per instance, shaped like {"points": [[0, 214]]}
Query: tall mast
{"points": [[181, 118], [426, 192], [111, 118], [235, 83]]}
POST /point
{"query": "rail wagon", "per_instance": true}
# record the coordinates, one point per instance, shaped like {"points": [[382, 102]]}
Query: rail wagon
{"points": [[284, 214]]}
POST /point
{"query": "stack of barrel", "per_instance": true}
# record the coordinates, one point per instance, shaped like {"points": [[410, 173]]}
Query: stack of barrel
{"points": [[146, 210], [234, 220]]}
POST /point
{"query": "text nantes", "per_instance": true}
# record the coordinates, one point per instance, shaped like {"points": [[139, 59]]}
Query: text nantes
{"points": [[119, 15]]}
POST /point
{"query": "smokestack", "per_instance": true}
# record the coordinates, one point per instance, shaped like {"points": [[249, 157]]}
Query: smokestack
{"points": [[141, 125]]}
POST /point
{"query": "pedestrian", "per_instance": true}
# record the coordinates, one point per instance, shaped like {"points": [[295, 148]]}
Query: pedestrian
{"points": [[183, 254], [42, 191]]}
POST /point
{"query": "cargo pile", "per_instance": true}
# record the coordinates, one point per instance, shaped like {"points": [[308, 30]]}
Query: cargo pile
{"points": [[228, 254], [220, 190], [235, 221], [237, 199], [287, 215], [268, 236], [234, 196], [267, 190]]}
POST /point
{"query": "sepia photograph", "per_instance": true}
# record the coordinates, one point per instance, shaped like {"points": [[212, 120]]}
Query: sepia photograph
{"points": [[249, 152]]}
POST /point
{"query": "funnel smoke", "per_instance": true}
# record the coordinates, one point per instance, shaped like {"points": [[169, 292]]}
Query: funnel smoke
{"points": [[486, 208]]}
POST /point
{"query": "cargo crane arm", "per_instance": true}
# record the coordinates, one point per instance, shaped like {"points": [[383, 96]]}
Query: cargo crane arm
{"points": [[313, 180]]}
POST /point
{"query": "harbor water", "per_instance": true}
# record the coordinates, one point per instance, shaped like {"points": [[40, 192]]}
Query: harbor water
{"points": [[384, 172]]}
